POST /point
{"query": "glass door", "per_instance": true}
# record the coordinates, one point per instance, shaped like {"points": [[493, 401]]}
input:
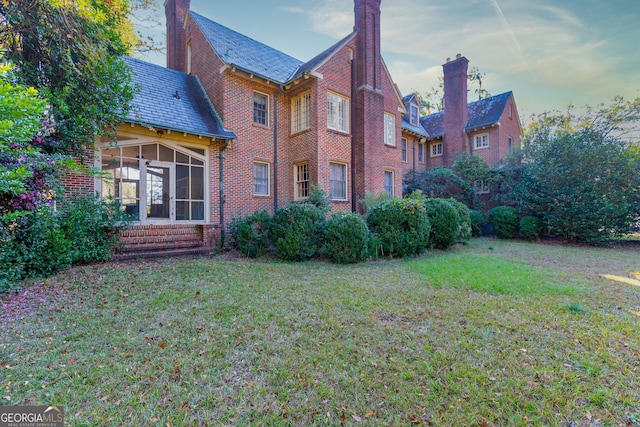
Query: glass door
{"points": [[161, 191]]}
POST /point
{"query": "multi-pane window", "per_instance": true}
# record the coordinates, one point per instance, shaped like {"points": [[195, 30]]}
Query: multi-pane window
{"points": [[403, 147], [260, 179], [301, 179], [260, 109], [510, 145], [421, 153], [436, 149], [301, 112], [413, 114], [389, 129], [481, 141], [338, 181], [337, 112], [388, 182], [481, 186]]}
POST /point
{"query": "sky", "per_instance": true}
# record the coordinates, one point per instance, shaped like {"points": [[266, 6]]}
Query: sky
{"points": [[550, 53]]}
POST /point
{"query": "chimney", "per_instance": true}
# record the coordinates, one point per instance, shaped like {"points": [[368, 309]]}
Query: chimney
{"points": [[367, 27], [367, 127], [175, 11], [456, 112]]}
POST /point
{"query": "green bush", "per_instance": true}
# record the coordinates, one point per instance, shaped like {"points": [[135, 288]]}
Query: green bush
{"points": [[477, 218], [250, 234], [504, 220], [464, 230], [346, 238], [530, 227], [296, 231], [399, 227], [42, 242], [445, 222]]}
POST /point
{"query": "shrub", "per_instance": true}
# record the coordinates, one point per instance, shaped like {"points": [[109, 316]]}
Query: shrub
{"points": [[530, 227], [296, 231], [445, 222], [250, 234], [372, 199], [464, 231], [319, 199], [346, 238], [504, 220], [399, 227], [476, 222]]}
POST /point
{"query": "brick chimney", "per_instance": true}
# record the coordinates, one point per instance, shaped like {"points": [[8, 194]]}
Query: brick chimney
{"points": [[456, 112], [175, 11], [367, 128]]}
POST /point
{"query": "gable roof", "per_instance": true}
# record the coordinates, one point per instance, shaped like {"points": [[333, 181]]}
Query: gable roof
{"points": [[485, 112], [246, 53], [320, 59], [172, 100]]}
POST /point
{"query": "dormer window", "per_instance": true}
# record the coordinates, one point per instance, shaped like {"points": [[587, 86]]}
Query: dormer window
{"points": [[413, 114]]}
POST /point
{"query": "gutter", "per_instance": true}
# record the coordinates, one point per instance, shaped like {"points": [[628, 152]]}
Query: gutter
{"points": [[222, 195]]}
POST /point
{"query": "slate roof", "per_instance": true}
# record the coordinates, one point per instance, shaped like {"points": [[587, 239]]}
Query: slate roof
{"points": [[246, 53], [406, 124], [485, 112], [156, 103], [321, 58]]}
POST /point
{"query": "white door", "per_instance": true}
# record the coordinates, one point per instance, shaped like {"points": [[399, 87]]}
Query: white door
{"points": [[161, 191]]}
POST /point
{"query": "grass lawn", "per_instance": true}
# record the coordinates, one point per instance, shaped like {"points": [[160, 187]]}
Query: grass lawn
{"points": [[493, 333]]}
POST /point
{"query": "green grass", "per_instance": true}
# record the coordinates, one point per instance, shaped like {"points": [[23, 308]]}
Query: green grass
{"points": [[493, 333]]}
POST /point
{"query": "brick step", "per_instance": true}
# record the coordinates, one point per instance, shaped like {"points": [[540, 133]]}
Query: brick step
{"points": [[161, 253], [189, 244], [146, 240], [133, 233]]}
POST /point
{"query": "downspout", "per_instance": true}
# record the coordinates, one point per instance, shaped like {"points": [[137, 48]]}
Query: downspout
{"points": [[222, 195], [354, 201], [275, 149]]}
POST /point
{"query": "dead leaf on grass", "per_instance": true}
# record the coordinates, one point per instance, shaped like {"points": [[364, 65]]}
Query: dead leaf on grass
{"points": [[623, 279]]}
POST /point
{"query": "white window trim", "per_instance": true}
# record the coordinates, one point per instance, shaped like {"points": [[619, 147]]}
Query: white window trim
{"points": [[344, 117], [390, 129], [268, 109], [268, 165], [297, 180], [481, 187], [483, 139], [432, 148], [404, 147], [393, 182], [415, 122], [346, 182], [421, 153], [301, 112]]}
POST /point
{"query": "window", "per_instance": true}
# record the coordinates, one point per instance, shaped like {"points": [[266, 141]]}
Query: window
{"points": [[301, 112], [421, 153], [436, 149], [389, 129], [481, 141], [301, 179], [388, 182], [338, 181], [260, 179], [510, 145], [189, 58], [403, 147], [413, 115], [511, 111], [260, 109], [156, 182], [337, 112], [481, 186]]}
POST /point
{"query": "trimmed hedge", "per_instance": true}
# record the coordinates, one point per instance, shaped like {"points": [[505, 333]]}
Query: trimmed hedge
{"points": [[504, 220], [399, 227], [250, 234], [296, 231], [530, 227], [445, 222], [464, 229], [346, 238], [477, 219]]}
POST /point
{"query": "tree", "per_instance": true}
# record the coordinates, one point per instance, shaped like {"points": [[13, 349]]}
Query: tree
{"points": [[579, 175], [71, 51]]}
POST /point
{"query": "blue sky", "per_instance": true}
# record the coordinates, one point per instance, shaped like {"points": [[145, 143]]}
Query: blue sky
{"points": [[550, 53]]}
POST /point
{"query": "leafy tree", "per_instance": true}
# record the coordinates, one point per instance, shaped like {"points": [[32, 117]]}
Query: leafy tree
{"points": [[71, 51], [579, 174]]}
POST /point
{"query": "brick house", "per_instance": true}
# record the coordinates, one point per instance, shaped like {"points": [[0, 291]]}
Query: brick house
{"points": [[232, 126], [489, 128]]}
